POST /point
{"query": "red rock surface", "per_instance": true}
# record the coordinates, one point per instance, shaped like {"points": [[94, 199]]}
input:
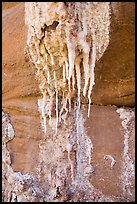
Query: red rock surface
{"points": [[114, 84], [19, 90], [105, 131], [114, 72]]}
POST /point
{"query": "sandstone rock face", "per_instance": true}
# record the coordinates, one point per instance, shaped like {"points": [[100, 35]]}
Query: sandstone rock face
{"points": [[16, 187], [75, 158], [114, 72], [92, 160], [6, 5], [19, 90]]}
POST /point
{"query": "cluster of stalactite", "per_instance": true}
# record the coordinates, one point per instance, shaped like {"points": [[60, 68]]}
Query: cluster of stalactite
{"points": [[64, 42]]}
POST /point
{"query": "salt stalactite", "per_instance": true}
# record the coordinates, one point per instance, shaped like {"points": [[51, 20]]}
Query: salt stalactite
{"points": [[86, 50], [56, 92], [78, 76], [93, 60], [86, 68], [71, 45], [64, 73], [73, 80], [64, 108], [41, 105], [80, 37], [67, 70], [49, 106]]}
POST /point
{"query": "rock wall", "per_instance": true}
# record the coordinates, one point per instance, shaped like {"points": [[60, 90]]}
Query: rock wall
{"points": [[87, 162], [51, 150], [114, 72]]}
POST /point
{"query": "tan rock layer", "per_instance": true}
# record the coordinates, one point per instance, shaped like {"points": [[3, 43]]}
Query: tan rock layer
{"points": [[32, 153]]}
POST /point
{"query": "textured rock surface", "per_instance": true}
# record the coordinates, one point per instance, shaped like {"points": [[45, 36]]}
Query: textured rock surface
{"points": [[19, 89], [110, 138], [114, 72], [16, 187], [77, 163], [115, 88], [8, 5], [78, 168]]}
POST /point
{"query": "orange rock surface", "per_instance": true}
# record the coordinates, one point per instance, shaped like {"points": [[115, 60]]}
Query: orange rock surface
{"points": [[114, 85]]}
